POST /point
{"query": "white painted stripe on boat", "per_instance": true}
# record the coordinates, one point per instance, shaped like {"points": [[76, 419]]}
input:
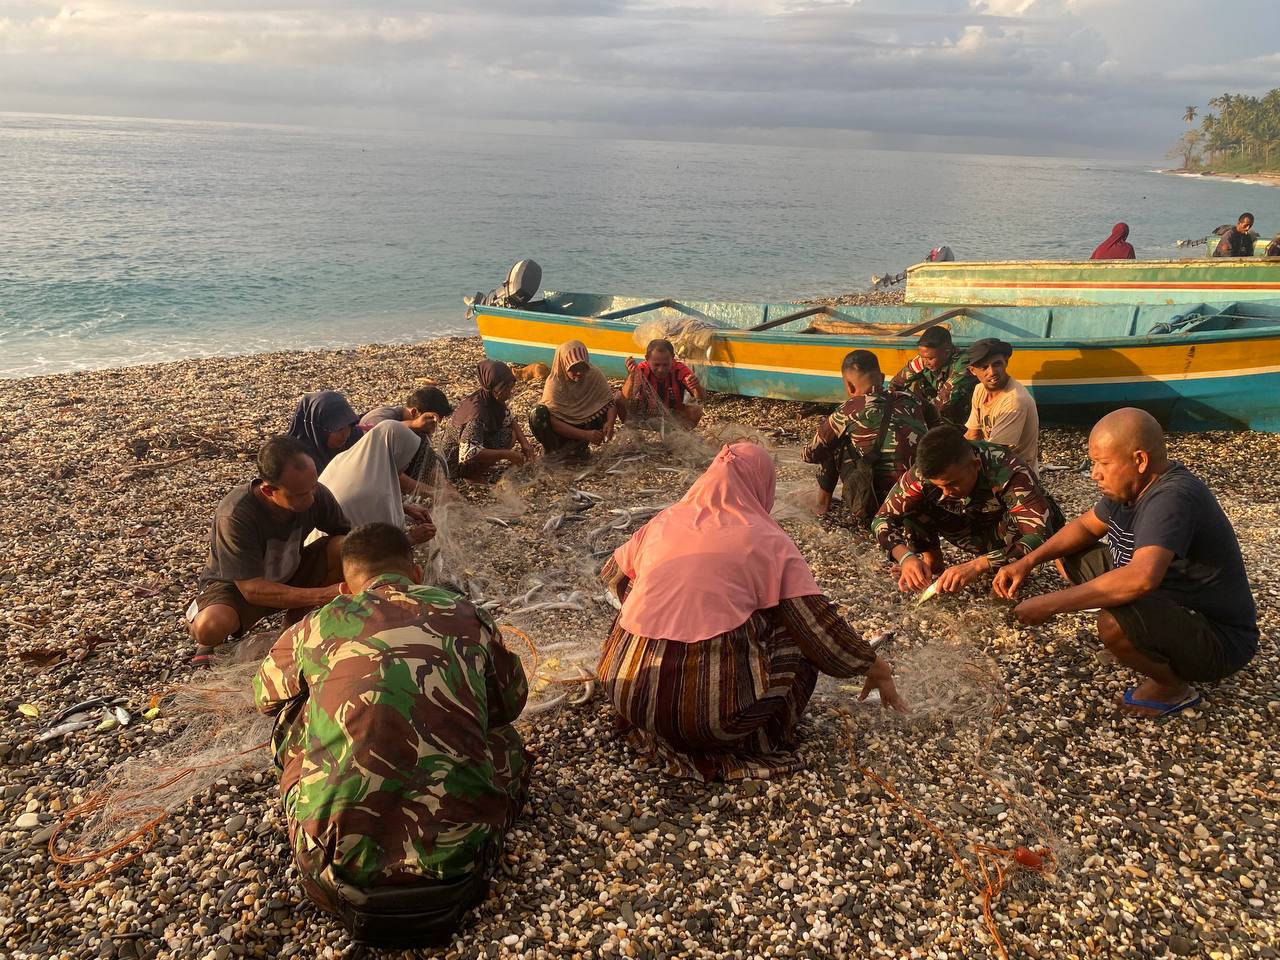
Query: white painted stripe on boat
{"points": [[830, 375]]}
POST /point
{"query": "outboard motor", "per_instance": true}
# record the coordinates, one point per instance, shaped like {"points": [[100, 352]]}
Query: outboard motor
{"points": [[517, 291], [941, 254]]}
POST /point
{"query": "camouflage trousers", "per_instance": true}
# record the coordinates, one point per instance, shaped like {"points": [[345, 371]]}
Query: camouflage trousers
{"points": [[836, 468], [321, 883]]}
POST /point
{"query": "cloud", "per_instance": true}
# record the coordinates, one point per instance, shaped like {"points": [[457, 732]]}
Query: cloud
{"points": [[1036, 74]]}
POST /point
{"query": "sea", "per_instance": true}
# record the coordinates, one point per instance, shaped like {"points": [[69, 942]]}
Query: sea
{"points": [[126, 241]]}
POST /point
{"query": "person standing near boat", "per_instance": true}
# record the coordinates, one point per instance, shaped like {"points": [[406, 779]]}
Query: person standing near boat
{"points": [[1002, 410], [1171, 592], [870, 441], [939, 375], [1116, 246], [1238, 241]]}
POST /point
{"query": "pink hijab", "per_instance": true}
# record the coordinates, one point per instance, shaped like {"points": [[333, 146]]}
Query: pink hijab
{"points": [[704, 565]]}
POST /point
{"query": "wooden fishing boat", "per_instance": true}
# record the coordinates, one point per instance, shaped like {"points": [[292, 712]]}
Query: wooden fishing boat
{"points": [[1194, 366], [1091, 282]]}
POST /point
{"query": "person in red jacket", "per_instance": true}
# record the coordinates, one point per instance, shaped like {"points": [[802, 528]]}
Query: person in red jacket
{"points": [[1115, 247]]}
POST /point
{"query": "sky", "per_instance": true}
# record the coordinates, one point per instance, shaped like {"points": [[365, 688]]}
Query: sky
{"points": [[1102, 78]]}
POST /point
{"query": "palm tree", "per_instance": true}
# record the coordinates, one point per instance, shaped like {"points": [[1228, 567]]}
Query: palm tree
{"points": [[1189, 115]]}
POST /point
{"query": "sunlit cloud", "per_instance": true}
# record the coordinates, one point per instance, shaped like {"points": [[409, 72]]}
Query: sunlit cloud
{"points": [[1030, 73]]}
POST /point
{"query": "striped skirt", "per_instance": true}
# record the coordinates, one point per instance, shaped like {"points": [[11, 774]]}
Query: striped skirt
{"points": [[724, 708]]}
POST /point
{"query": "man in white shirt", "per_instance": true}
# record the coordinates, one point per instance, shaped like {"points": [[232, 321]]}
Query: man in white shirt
{"points": [[1002, 411]]}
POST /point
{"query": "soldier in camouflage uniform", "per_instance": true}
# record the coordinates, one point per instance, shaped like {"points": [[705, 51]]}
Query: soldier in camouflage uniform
{"points": [[939, 375], [977, 496], [857, 432], [400, 769]]}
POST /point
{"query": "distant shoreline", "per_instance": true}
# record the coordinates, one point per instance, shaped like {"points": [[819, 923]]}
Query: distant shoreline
{"points": [[1257, 179]]}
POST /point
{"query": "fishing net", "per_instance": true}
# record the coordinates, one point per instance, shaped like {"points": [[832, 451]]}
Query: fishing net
{"points": [[691, 336], [213, 732]]}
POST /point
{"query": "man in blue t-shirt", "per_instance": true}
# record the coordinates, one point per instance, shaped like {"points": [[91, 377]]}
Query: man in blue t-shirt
{"points": [[1172, 596]]}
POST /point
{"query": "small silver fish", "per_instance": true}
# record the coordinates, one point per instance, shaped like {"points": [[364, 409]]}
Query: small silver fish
{"points": [[62, 729], [929, 592], [499, 521]]}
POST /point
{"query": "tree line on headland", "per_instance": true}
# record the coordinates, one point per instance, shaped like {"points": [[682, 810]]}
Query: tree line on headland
{"points": [[1237, 134]]}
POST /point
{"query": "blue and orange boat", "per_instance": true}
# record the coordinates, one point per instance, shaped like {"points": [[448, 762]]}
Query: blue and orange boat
{"points": [[1195, 366]]}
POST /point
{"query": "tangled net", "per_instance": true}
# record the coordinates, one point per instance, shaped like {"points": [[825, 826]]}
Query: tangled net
{"points": [[691, 336], [220, 734]]}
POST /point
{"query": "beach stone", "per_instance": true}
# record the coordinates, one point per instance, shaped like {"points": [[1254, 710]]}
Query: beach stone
{"points": [[1180, 945], [235, 824], [27, 821]]}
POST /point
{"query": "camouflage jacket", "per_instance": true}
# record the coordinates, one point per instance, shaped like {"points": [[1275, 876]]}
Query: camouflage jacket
{"points": [[950, 391], [859, 420], [393, 733], [1006, 498]]}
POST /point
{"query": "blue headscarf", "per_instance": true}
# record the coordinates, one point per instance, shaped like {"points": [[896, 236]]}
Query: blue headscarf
{"points": [[318, 415]]}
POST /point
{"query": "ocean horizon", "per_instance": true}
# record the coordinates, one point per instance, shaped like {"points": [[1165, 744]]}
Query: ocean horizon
{"points": [[136, 241]]}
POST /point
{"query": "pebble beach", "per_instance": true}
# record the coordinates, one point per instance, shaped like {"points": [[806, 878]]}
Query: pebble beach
{"points": [[1156, 839]]}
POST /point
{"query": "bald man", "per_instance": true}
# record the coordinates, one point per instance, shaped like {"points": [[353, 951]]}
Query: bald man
{"points": [[1171, 592]]}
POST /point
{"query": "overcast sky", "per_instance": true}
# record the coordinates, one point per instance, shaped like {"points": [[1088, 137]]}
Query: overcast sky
{"points": [[1091, 77]]}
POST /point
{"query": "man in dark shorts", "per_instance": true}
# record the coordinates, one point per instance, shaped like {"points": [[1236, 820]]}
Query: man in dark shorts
{"points": [[1172, 593], [257, 564]]}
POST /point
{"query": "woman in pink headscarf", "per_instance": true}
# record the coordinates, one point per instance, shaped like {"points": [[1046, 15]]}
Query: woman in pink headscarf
{"points": [[1115, 246], [723, 630]]}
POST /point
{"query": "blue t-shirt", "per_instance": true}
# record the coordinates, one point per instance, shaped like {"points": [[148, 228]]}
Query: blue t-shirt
{"points": [[1179, 513]]}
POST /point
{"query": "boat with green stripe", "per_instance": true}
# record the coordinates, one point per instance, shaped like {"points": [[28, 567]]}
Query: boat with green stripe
{"points": [[1194, 366], [1094, 282]]}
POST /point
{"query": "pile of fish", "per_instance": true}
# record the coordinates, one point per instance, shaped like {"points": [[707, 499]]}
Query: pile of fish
{"points": [[98, 713]]}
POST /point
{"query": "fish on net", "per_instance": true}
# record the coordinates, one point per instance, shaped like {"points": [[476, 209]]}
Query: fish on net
{"points": [[215, 732]]}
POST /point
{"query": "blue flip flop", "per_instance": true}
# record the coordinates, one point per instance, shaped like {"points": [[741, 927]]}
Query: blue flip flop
{"points": [[1162, 709]]}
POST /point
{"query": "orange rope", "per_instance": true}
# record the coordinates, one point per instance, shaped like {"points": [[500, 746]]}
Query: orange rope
{"points": [[148, 830], [990, 889], [533, 649]]}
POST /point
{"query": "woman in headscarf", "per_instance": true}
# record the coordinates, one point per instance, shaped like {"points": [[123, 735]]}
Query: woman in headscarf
{"points": [[578, 406], [723, 630], [365, 481], [482, 432], [325, 423], [1115, 246]]}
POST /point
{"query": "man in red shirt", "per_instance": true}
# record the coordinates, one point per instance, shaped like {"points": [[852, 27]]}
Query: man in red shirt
{"points": [[660, 382]]}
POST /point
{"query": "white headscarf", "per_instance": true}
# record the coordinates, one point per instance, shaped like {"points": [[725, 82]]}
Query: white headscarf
{"points": [[365, 480]]}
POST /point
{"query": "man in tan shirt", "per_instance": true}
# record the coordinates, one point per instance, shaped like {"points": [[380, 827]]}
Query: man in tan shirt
{"points": [[1002, 411]]}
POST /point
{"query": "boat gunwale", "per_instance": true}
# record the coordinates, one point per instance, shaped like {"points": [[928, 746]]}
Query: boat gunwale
{"points": [[1223, 263], [890, 340]]}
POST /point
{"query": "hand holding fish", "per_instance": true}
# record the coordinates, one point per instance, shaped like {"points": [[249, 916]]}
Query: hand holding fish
{"points": [[915, 574]]}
